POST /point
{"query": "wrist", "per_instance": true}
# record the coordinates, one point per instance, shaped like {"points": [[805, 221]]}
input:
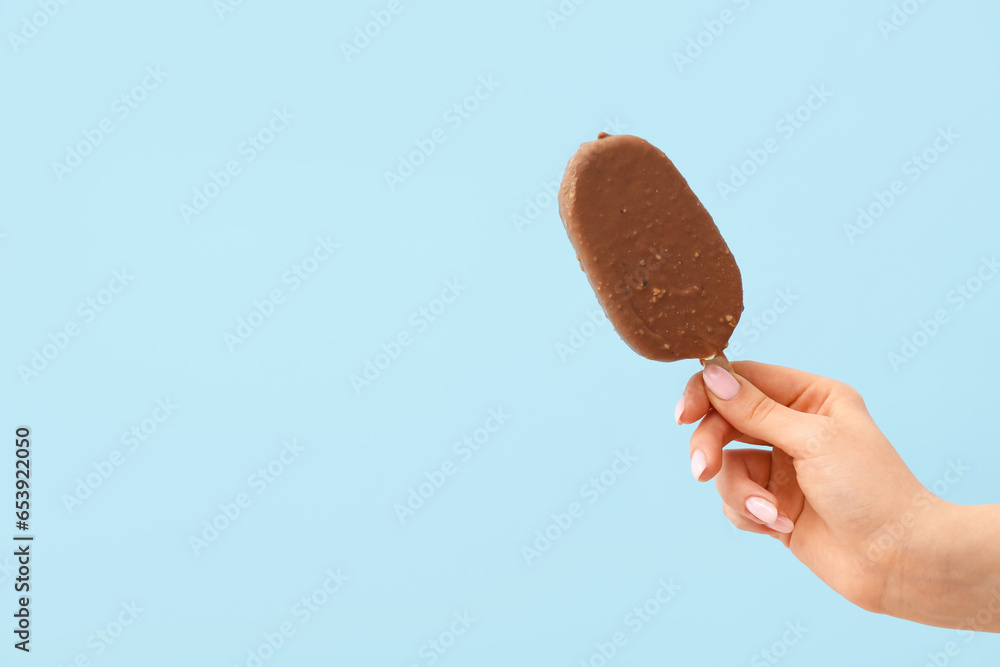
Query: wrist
{"points": [[948, 571]]}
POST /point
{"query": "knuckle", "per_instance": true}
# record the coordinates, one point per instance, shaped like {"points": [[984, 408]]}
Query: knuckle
{"points": [[847, 391], [822, 434], [738, 520], [760, 411]]}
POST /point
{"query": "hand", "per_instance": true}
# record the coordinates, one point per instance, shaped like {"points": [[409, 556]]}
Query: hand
{"points": [[834, 490]]}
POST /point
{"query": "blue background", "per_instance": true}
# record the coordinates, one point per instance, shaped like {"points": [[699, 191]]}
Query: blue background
{"points": [[466, 213]]}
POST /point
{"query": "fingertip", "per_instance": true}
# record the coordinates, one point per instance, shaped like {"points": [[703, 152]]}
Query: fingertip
{"points": [[762, 509], [709, 439], [720, 382], [712, 468], [695, 399], [741, 522], [782, 525], [698, 464]]}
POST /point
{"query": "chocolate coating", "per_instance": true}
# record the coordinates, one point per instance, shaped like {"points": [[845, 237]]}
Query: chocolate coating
{"points": [[660, 268]]}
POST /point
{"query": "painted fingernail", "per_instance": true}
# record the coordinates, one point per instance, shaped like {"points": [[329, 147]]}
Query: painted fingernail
{"points": [[679, 411], [782, 525], [698, 463], [763, 510], [721, 383]]}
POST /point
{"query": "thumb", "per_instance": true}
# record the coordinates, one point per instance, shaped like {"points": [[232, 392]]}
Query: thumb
{"points": [[755, 414]]}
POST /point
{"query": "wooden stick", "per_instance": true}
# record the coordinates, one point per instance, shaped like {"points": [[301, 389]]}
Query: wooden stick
{"points": [[719, 360]]}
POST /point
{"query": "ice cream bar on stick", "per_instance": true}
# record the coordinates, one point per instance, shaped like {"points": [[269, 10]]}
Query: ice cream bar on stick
{"points": [[660, 268]]}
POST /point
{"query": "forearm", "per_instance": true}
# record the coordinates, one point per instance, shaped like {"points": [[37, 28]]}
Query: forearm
{"points": [[949, 573]]}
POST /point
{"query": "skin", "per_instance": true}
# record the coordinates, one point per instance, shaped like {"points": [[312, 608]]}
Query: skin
{"points": [[847, 505]]}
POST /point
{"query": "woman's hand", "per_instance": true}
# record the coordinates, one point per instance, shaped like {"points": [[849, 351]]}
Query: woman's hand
{"points": [[834, 490]]}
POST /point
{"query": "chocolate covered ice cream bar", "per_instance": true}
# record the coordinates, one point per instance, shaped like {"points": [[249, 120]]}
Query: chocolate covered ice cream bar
{"points": [[661, 270]]}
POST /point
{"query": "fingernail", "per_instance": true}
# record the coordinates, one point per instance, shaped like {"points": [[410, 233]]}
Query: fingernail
{"points": [[698, 463], [783, 524], [679, 411], [763, 510], [721, 383]]}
